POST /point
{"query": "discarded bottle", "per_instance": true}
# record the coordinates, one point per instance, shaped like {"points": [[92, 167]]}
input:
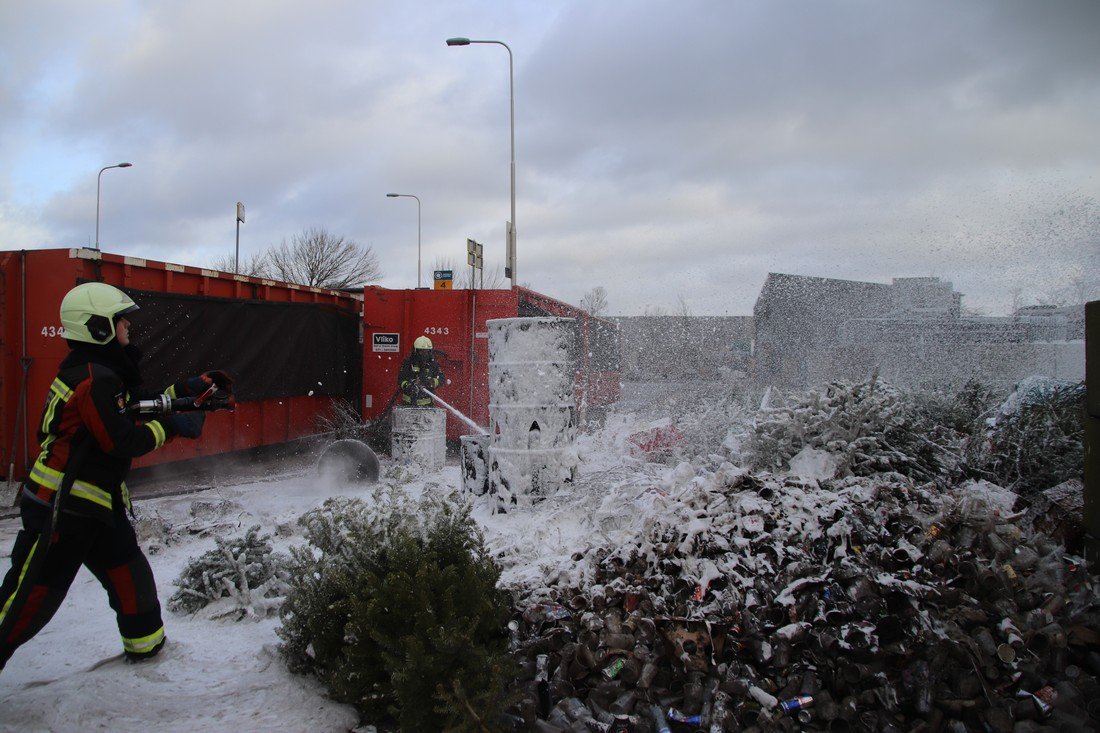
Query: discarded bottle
{"points": [[796, 703]]}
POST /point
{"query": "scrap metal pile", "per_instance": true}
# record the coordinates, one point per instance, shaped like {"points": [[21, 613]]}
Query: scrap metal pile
{"points": [[865, 604], [724, 599]]}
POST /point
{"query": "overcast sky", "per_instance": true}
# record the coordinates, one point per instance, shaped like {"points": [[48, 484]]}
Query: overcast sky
{"points": [[664, 150]]}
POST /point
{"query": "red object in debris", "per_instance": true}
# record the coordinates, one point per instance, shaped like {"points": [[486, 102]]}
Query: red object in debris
{"points": [[630, 602], [1047, 694], [659, 439]]}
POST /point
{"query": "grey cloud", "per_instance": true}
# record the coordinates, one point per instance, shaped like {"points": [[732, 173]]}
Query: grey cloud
{"points": [[661, 147]]}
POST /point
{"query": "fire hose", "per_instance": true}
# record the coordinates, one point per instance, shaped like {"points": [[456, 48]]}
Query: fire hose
{"points": [[454, 411]]}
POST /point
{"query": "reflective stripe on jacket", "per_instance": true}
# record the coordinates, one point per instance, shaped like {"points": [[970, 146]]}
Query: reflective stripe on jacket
{"points": [[89, 398]]}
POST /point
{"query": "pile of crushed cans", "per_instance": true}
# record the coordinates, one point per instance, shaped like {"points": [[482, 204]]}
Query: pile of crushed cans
{"points": [[925, 617]]}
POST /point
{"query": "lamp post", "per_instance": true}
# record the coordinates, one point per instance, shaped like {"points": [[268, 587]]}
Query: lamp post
{"points": [[237, 251], [98, 182], [411, 196], [510, 252]]}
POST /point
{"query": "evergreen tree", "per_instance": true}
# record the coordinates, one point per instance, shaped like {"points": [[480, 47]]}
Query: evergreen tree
{"points": [[395, 607]]}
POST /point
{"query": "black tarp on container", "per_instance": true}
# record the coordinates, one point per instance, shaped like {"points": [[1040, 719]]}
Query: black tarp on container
{"points": [[272, 349]]}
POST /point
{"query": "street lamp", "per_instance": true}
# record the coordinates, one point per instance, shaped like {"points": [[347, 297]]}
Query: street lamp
{"points": [[411, 196], [98, 181], [510, 251]]}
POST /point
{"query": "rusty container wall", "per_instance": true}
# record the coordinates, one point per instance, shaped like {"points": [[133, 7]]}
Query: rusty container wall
{"points": [[454, 320], [33, 283]]}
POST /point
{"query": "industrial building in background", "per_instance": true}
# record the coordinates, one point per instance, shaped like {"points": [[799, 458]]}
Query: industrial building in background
{"points": [[810, 330]]}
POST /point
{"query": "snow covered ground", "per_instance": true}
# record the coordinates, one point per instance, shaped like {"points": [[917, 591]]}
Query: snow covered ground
{"points": [[699, 521], [218, 674]]}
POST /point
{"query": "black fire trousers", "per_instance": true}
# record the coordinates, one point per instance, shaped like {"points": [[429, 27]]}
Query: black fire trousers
{"points": [[37, 582]]}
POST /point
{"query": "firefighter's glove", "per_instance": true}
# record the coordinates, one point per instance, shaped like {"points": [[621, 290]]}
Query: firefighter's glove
{"points": [[195, 386], [219, 379], [186, 424]]}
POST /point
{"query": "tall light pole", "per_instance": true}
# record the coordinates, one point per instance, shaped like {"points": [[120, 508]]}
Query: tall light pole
{"points": [[510, 253], [411, 196], [98, 182], [237, 251]]}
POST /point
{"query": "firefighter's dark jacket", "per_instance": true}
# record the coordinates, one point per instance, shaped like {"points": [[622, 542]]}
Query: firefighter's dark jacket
{"points": [[418, 372], [87, 402]]}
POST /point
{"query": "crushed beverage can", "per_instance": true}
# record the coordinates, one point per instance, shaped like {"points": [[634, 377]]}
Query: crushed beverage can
{"points": [[622, 724], [677, 717], [612, 670], [1046, 694], [545, 612], [796, 703]]}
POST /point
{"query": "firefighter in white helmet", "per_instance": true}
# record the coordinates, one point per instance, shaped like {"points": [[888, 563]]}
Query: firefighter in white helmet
{"points": [[420, 369], [74, 503]]}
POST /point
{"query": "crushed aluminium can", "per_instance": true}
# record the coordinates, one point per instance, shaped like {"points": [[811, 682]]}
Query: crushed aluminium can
{"points": [[612, 670], [796, 703], [541, 612], [622, 724], [677, 717]]}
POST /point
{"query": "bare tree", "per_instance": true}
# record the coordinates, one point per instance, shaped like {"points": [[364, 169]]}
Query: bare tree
{"points": [[320, 259], [594, 301], [1017, 291], [1078, 280], [254, 266]]}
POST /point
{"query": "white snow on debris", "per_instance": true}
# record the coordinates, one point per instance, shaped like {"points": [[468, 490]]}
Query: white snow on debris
{"points": [[693, 520]]}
